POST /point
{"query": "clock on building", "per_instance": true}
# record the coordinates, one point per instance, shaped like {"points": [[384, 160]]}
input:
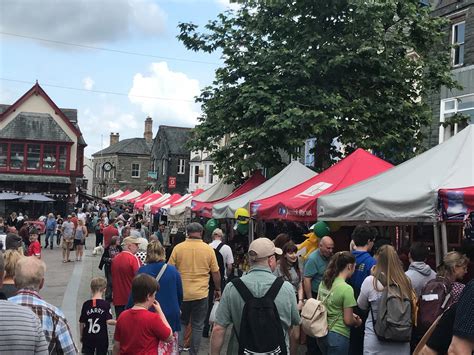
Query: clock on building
{"points": [[107, 166]]}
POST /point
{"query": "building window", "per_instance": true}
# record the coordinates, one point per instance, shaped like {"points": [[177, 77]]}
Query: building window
{"points": [[163, 167], [309, 151], [135, 170], [17, 156], [449, 107], [181, 166], [457, 41], [3, 155], [49, 157], [210, 173], [33, 157], [196, 174]]}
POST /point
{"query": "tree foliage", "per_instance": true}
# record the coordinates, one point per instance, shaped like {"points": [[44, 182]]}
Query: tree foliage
{"points": [[345, 70]]}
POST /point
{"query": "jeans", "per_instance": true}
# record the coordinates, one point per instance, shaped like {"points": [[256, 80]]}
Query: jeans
{"points": [[334, 344], [108, 276], [99, 238], [47, 241], [194, 311]]}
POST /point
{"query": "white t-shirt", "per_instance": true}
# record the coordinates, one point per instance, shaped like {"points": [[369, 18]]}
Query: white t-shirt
{"points": [[82, 216], [226, 253]]}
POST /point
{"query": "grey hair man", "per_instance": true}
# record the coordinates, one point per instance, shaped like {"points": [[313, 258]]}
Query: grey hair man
{"points": [[20, 328], [29, 279], [194, 260], [258, 281]]}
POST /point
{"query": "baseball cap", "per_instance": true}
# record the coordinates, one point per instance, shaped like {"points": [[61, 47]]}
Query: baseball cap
{"points": [[262, 248], [131, 240], [12, 241]]}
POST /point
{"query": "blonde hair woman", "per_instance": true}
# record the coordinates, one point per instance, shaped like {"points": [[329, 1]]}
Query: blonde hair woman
{"points": [[11, 258], [387, 271], [454, 267], [80, 235], [170, 295]]}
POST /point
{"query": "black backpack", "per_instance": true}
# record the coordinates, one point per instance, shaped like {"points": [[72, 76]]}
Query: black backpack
{"points": [[220, 262], [261, 331]]}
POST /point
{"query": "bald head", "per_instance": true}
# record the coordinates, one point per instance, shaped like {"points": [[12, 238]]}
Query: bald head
{"points": [[326, 246], [29, 273]]}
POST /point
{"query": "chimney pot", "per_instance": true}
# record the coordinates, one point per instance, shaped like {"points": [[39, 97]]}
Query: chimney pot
{"points": [[148, 134], [114, 138]]}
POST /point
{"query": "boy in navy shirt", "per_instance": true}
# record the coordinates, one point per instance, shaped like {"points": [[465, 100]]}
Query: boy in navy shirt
{"points": [[95, 315]]}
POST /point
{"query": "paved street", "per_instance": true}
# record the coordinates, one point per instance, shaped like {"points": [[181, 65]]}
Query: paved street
{"points": [[67, 285]]}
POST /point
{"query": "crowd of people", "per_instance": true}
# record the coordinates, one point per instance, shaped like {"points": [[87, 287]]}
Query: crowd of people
{"points": [[166, 299]]}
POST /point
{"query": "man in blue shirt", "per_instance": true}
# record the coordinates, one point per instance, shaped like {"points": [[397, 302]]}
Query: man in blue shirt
{"points": [[363, 237]]}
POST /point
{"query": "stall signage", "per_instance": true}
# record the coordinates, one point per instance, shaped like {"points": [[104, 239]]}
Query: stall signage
{"points": [[172, 182]]}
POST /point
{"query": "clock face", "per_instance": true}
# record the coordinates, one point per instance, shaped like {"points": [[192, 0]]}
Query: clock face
{"points": [[107, 166]]}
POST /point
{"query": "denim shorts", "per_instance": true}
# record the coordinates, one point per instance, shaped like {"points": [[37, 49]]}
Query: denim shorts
{"points": [[334, 344]]}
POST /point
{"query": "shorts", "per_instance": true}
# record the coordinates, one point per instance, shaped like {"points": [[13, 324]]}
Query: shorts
{"points": [[67, 244], [99, 349], [79, 242]]}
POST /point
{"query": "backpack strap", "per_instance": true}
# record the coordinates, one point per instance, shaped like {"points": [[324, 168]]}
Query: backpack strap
{"points": [[219, 247], [242, 289], [274, 288], [162, 271]]}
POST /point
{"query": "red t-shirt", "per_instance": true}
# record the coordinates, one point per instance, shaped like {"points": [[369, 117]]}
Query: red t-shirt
{"points": [[124, 267], [74, 221], [109, 232], [34, 249], [139, 331]]}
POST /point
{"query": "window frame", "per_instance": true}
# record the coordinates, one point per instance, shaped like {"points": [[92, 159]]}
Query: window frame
{"points": [[457, 45], [181, 167], [443, 112], [132, 170]]}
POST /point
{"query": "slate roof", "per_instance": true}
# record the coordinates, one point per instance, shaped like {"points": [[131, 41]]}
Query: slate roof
{"points": [[131, 146], [174, 139], [34, 126], [70, 113]]}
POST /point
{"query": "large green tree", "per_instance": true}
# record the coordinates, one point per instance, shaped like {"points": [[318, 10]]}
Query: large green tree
{"points": [[349, 71]]}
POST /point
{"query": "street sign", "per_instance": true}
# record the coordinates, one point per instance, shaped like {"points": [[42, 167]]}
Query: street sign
{"points": [[172, 182]]}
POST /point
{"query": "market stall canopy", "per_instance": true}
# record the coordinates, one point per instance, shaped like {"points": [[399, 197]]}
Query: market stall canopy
{"points": [[8, 196], [293, 174], [122, 195], [36, 198], [130, 196], [146, 206], [179, 207], [455, 204], [215, 192], [155, 207], [141, 197], [409, 191], [139, 204], [299, 202], [115, 194], [204, 209]]}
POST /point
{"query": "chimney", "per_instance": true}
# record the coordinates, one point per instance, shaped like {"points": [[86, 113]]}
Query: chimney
{"points": [[148, 134], [114, 138]]}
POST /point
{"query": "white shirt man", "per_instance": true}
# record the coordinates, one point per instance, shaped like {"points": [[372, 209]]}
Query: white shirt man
{"points": [[225, 250]]}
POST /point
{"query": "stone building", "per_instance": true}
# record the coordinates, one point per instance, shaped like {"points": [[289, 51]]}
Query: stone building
{"points": [[460, 34], [41, 151], [170, 159], [123, 164]]}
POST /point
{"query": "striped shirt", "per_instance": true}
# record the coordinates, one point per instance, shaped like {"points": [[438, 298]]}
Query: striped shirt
{"points": [[55, 327], [20, 331]]}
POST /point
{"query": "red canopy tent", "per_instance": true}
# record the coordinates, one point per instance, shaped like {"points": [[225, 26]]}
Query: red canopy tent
{"points": [[456, 203], [125, 193], [299, 202], [141, 197], [152, 197], [204, 209], [173, 198]]}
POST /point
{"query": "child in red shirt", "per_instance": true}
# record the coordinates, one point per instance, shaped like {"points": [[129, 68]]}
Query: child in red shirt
{"points": [[35, 247], [139, 331]]}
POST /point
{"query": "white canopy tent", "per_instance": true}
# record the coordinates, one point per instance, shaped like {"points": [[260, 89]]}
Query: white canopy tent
{"points": [[115, 194], [409, 191], [147, 206], [130, 196], [292, 175]]}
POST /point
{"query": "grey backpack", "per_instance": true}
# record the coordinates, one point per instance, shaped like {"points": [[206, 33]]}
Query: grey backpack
{"points": [[394, 318]]}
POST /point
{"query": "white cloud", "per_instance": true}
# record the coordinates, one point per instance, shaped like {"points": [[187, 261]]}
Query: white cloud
{"points": [[228, 4], [82, 21], [161, 82], [88, 83]]}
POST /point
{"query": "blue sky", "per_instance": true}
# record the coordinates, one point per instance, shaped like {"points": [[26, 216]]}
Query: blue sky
{"points": [[140, 26]]}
